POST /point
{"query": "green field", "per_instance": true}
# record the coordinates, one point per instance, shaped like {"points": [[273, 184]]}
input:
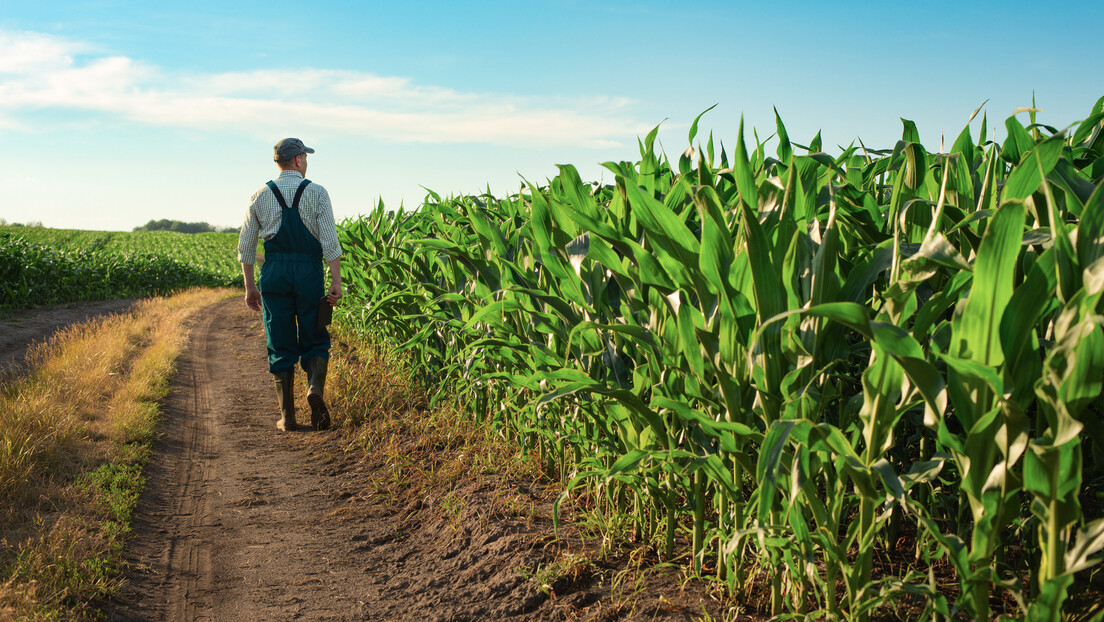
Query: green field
{"points": [[842, 385], [40, 266]]}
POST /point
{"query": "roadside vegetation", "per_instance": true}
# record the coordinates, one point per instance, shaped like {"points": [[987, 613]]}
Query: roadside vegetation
{"points": [[74, 437], [844, 386], [390, 422]]}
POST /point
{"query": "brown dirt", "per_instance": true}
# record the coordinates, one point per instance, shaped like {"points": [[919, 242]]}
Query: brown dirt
{"points": [[21, 330], [241, 522]]}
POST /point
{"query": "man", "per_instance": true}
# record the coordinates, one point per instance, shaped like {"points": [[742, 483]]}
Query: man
{"points": [[294, 218]]}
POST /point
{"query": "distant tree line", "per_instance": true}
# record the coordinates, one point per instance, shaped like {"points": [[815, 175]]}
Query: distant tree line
{"points": [[32, 223], [182, 227]]}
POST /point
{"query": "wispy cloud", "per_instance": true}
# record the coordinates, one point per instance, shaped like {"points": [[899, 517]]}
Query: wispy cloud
{"points": [[39, 71], [26, 52]]}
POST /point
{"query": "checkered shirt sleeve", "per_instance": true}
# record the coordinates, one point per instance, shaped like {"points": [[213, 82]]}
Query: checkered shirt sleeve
{"points": [[262, 220]]}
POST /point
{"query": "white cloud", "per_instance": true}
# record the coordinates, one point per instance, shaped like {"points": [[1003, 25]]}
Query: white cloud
{"points": [[25, 52], [43, 72]]}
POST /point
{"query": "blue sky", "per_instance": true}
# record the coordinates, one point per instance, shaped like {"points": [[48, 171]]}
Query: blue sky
{"points": [[116, 113]]}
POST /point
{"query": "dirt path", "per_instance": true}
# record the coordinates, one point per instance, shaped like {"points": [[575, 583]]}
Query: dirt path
{"points": [[241, 522]]}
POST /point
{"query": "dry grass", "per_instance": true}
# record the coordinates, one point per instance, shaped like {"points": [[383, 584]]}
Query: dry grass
{"points": [[73, 436], [424, 450]]}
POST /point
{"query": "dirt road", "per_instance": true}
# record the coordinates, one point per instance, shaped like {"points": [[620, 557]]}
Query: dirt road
{"points": [[241, 522]]}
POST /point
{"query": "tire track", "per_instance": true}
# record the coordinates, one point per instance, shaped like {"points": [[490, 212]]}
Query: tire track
{"points": [[189, 556], [175, 504]]}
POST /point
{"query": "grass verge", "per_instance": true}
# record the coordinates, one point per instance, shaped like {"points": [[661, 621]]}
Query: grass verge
{"points": [[74, 438], [420, 448]]}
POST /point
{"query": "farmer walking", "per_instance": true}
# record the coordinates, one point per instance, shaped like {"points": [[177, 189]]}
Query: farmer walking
{"points": [[294, 218]]}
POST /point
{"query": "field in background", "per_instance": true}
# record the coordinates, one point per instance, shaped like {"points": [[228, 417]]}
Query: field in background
{"points": [[846, 385], [40, 266]]}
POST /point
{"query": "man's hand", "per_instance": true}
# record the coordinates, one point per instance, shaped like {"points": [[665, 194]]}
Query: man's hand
{"points": [[335, 282], [253, 298], [252, 293], [335, 294]]}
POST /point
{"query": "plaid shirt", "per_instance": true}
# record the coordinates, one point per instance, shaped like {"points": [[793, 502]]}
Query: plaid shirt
{"points": [[263, 218]]}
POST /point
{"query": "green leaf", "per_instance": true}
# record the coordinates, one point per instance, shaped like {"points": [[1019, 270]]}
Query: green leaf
{"points": [[977, 331], [716, 242], [939, 250], [745, 177], [694, 125], [1026, 177], [1089, 542], [916, 165], [767, 469], [964, 145], [1090, 232], [768, 295], [785, 149], [910, 134], [1018, 143], [1087, 127], [627, 463]]}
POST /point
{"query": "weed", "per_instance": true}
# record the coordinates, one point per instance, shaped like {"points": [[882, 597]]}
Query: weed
{"points": [[563, 571], [453, 505]]}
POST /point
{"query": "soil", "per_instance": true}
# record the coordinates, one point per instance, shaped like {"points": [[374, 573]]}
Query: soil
{"points": [[239, 521]]}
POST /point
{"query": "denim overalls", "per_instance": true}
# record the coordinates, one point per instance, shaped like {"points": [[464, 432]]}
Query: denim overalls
{"points": [[291, 289]]}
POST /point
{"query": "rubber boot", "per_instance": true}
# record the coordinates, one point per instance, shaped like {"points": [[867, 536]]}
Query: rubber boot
{"points": [[316, 382], [285, 395]]}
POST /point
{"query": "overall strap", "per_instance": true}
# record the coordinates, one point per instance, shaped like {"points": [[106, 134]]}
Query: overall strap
{"points": [[280, 197], [299, 192], [276, 191]]}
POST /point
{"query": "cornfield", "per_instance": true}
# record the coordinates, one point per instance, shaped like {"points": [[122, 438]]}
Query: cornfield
{"points": [[41, 266], [791, 365]]}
